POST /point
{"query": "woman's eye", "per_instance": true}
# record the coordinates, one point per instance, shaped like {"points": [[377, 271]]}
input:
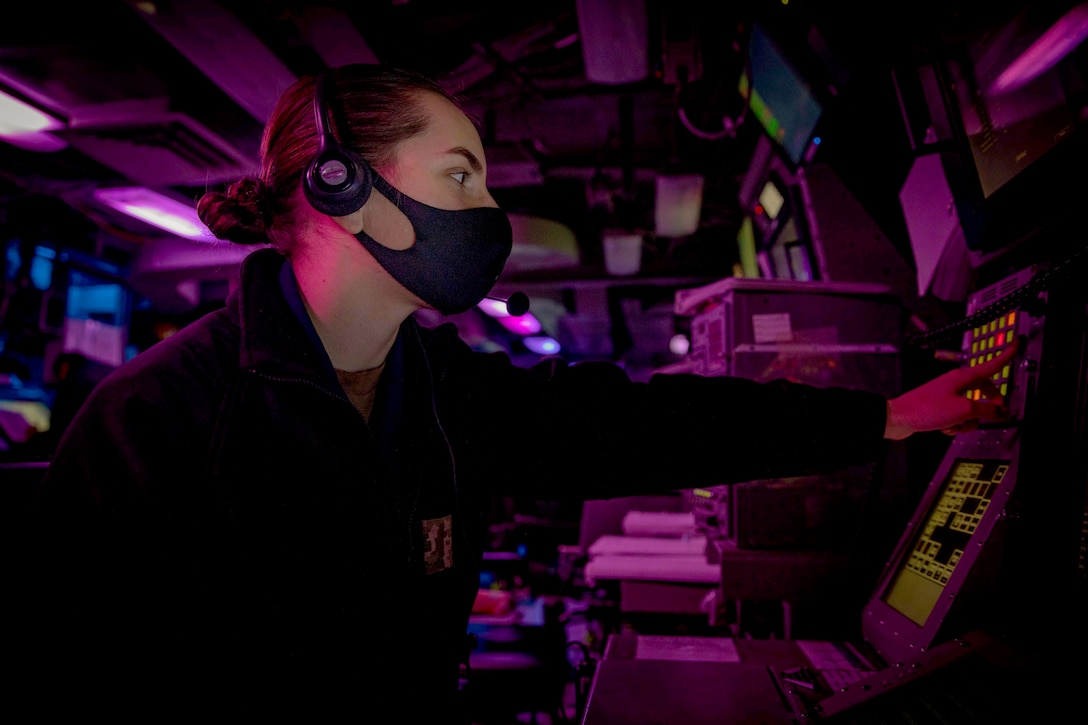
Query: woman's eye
{"points": [[460, 177]]}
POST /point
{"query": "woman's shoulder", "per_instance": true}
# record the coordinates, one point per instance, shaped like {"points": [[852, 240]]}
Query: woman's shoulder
{"points": [[204, 352]]}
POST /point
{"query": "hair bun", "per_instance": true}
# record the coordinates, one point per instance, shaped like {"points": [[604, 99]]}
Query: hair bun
{"points": [[252, 195], [240, 214]]}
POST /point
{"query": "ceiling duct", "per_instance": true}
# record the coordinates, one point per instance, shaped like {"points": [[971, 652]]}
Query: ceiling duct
{"points": [[224, 48], [156, 147]]}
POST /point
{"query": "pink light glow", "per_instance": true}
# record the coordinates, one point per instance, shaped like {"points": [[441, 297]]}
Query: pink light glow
{"points": [[156, 209], [525, 324], [1056, 43]]}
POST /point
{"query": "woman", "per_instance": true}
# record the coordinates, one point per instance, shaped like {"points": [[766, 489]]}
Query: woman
{"points": [[282, 507]]}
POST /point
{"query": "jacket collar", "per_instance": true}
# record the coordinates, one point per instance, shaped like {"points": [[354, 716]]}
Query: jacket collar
{"points": [[277, 335], [276, 339]]}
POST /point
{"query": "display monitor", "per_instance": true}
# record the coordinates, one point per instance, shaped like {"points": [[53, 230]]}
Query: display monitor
{"points": [[773, 208], [942, 571], [782, 245], [780, 97], [771, 199], [32, 261], [1017, 93], [1013, 113], [944, 538]]}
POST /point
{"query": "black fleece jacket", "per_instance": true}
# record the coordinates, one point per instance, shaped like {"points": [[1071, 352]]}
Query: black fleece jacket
{"points": [[220, 533]]}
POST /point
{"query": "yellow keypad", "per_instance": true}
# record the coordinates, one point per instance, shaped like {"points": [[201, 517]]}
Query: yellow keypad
{"points": [[987, 340]]}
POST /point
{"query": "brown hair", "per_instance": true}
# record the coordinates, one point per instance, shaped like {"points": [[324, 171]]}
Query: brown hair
{"points": [[379, 105]]}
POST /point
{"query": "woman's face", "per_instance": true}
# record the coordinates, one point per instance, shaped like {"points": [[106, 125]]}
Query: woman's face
{"points": [[444, 166], [433, 198]]}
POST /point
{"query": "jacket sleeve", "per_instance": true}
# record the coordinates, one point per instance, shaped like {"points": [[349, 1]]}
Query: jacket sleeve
{"points": [[589, 431]]}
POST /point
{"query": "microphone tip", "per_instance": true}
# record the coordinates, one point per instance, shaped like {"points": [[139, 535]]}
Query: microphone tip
{"points": [[517, 304]]}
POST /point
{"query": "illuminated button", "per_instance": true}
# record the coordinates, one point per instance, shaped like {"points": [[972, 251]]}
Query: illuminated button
{"points": [[1006, 370], [974, 346], [989, 356], [1001, 338], [1004, 388], [1012, 319], [1003, 319]]}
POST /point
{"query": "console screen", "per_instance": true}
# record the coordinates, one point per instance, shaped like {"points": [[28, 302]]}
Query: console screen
{"points": [[944, 538]]}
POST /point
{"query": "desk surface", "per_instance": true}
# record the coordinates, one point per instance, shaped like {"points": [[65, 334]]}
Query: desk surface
{"points": [[975, 679], [651, 680], [652, 692]]}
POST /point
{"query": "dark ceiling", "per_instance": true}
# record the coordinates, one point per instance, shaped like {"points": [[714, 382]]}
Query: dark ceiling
{"points": [[173, 95]]}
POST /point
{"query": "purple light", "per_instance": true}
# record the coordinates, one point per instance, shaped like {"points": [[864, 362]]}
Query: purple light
{"points": [[1056, 43], [541, 345], [526, 324]]}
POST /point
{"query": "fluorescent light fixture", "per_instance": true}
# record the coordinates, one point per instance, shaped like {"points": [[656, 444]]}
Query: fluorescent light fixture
{"points": [[27, 127], [156, 209]]}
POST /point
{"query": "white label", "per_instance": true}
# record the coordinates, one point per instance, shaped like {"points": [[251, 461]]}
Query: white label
{"points": [[772, 328]]}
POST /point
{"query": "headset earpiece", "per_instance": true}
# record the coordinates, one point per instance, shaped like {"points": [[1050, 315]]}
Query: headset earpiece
{"points": [[337, 181]]}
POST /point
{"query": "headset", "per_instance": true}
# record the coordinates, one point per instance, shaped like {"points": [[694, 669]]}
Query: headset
{"points": [[337, 181]]}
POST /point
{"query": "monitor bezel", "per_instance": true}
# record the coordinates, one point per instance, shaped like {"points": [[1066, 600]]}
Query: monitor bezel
{"points": [[802, 75], [893, 634]]}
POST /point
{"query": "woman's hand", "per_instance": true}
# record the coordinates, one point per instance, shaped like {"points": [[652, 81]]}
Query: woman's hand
{"points": [[942, 404]]}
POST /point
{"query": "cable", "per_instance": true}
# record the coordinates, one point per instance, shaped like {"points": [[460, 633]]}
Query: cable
{"points": [[584, 672], [1024, 296], [729, 128], [729, 125]]}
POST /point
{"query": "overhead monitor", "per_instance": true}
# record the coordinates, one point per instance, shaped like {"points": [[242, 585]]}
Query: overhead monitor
{"points": [[1015, 114], [780, 97]]}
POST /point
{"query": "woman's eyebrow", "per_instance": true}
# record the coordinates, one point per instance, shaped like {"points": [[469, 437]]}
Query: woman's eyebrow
{"points": [[469, 157]]}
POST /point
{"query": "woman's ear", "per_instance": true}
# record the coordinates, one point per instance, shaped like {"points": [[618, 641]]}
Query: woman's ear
{"points": [[383, 222]]}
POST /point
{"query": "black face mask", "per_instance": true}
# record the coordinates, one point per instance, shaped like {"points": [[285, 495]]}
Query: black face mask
{"points": [[457, 257]]}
